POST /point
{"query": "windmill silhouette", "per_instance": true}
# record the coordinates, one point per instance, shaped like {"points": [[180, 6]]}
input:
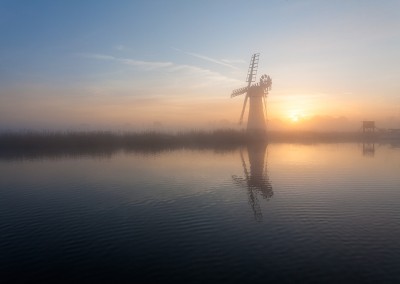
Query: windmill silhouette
{"points": [[258, 97], [256, 181]]}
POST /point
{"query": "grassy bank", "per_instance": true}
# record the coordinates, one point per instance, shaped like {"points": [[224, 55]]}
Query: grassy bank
{"points": [[33, 144]]}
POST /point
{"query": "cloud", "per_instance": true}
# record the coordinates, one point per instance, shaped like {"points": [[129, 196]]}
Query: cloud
{"points": [[146, 64], [98, 56], [223, 62], [189, 70], [233, 61], [201, 73], [301, 97], [121, 47], [176, 49], [209, 59], [131, 62], [185, 76]]}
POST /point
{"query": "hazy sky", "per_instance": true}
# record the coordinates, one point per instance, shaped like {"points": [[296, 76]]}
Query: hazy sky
{"points": [[126, 64]]}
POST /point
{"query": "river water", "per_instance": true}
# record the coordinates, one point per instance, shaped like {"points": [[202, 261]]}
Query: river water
{"points": [[325, 213]]}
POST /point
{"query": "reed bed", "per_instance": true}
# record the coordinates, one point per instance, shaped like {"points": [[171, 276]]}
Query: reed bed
{"points": [[72, 143]]}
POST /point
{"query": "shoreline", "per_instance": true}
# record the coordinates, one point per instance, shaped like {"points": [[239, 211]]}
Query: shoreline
{"points": [[30, 144]]}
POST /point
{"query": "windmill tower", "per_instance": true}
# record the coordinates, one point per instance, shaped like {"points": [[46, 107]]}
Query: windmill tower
{"points": [[257, 93]]}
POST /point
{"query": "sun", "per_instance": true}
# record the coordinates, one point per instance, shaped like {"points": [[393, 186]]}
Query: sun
{"points": [[295, 117]]}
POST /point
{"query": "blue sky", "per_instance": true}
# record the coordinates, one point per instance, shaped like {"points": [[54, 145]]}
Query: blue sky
{"points": [[106, 64]]}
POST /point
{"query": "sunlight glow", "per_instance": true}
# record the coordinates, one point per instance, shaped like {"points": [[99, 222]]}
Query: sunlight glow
{"points": [[296, 116]]}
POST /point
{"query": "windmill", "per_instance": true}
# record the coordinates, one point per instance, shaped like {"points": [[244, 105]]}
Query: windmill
{"points": [[255, 178], [258, 96]]}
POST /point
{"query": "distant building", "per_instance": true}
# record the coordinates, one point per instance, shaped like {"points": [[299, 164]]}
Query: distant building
{"points": [[368, 126]]}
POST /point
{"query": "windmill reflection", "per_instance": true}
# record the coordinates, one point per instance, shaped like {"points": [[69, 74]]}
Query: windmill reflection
{"points": [[256, 180]]}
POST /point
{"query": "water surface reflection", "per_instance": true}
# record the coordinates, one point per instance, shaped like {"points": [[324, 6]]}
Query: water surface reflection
{"points": [[368, 149], [255, 180], [183, 216]]}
